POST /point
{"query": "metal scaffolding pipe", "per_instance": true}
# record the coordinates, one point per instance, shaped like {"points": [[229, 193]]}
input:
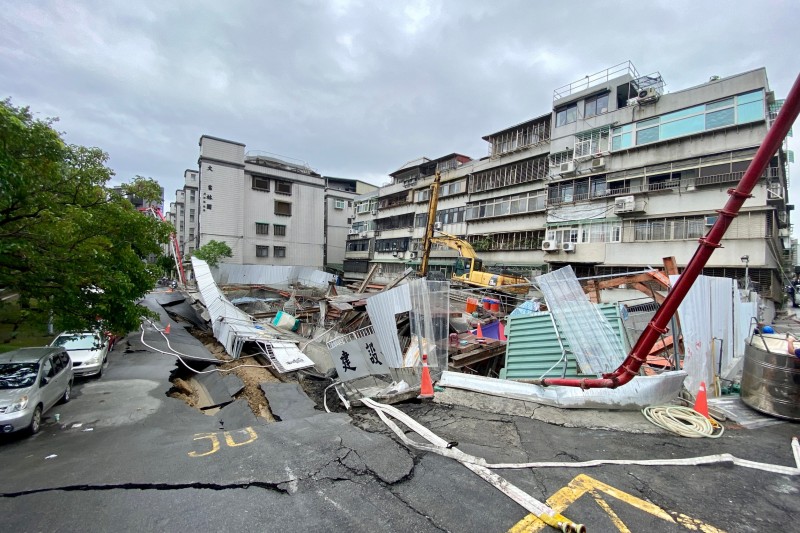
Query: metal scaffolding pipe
{"points": [[658, 326]]}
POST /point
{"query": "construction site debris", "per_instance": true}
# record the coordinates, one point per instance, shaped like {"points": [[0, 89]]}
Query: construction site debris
{"points": [[641, 392]]}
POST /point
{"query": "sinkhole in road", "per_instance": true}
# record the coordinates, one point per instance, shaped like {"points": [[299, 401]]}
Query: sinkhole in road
{"points": [[188, 388]]}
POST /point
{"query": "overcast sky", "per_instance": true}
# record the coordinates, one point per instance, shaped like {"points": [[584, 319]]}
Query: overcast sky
{"points": [[354, 88]]}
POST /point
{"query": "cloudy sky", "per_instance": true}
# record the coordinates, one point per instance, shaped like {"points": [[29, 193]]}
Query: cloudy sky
{"points": [[355, 88]]}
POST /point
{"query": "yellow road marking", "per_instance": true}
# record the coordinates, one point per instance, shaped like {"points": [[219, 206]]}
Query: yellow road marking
{"points": [[229, 438], [583, 484], [214, 444]]}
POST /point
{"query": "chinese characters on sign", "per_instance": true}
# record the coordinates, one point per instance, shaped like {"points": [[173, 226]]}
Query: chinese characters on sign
{"points": [[358, 358]]}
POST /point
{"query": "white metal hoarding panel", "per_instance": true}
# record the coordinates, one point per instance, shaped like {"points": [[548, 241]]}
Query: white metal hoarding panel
{"points": [[358, 354]]}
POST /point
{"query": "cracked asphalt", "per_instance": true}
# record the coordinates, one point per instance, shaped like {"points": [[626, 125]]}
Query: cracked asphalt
{"points": [[129, 457]]}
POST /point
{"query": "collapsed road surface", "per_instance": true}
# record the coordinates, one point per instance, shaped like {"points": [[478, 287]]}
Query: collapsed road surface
{"points": [[124, 455]]}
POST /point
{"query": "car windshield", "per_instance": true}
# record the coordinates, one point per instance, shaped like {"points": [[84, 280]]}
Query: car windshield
{"points": [[78, 341], [18, 375]]}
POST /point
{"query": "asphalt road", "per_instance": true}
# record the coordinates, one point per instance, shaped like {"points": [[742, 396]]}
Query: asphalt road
{"points": [[127, 457]]}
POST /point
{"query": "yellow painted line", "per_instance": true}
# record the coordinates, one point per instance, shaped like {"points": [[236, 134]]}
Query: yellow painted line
{"points": [[214, 444], [610, 512], [248, 430], [583, 484]]}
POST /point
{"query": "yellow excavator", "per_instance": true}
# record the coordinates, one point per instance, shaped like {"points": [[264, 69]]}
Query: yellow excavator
{"points": [[469, 268]]}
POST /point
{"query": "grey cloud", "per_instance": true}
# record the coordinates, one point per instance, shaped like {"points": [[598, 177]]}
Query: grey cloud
{"points": [[354, 88]]}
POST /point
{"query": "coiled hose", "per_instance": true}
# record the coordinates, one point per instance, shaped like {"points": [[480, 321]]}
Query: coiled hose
{"points": [[683, 421]]}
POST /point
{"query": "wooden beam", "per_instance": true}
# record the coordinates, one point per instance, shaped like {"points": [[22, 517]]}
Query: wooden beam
{"points": [[670, 266], [370, 275], [649, 292]]}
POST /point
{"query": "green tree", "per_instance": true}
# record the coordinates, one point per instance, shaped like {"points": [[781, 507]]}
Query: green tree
{"points": [[67, 245], [212, 252], [166, 264], [146, 189]]}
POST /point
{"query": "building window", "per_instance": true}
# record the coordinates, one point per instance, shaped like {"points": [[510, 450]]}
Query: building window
{"points": [[283, 187], [596, 105], [283, 208], [191, 215], [260, 184], [191, 196], [262, 251], [338, 204], [566, 115], [262, 228], [210, 187], [280, 231], [280, 251], [729, 111], [208, 206]]}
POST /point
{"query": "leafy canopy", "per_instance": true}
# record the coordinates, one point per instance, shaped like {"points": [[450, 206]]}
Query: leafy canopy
{"points": [[212, 252], [69, 246]]}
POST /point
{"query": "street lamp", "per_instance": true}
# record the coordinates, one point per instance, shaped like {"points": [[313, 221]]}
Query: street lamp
{"points": [[746, 261]]}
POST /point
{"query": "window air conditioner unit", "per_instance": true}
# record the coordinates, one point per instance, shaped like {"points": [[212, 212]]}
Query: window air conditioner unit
{"points": [[352, 232], [550, 246], [568, 246], [374, 212], [624, 204], [413, 255], [566, 167], [437, 225], [650, 93], [598, 162]]}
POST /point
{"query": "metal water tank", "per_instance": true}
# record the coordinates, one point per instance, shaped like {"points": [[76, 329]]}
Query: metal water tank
{"points": [[771, 377]]}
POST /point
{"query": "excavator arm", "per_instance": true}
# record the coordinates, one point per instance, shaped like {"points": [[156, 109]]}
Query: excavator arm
{"points": [[463, 248]]}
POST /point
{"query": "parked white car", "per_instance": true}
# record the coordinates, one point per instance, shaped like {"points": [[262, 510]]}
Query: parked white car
{"points": [[87, 349], [32, 380]]}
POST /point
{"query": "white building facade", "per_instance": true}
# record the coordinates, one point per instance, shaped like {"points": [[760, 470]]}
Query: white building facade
{"points": [[616, 176]]}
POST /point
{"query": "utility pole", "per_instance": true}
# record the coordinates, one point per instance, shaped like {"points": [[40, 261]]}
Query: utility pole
{"points": [[433, 202]]}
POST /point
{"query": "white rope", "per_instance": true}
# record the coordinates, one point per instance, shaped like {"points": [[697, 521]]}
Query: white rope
{"points": [[683, 421]]}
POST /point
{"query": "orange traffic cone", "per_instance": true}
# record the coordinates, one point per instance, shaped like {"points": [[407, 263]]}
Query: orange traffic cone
{"points": [[479, 331], [701, 403], [166, 329], [501, 330], [426, 385]]}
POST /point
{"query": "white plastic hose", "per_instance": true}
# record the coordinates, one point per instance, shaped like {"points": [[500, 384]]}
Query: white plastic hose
{"points": [[683, 421]]}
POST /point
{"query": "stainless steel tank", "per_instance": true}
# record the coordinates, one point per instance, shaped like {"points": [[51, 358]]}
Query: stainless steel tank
{"points": [[771, 377]]}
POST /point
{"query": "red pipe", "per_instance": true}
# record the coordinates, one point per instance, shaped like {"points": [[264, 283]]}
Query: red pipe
{"points": [[638, 354]]}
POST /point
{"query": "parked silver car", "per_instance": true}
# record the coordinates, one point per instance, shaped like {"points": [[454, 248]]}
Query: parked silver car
{"points": [[87, 349], [32, 380]]}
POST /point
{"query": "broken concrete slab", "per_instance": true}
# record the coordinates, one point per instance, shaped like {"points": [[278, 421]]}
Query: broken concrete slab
{"points": [[234, 384], [627, 421], [288, 401], [215, 391], [236, 415]]}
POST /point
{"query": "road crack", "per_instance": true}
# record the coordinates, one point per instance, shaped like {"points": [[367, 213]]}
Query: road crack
{"points": [[276, 487]]}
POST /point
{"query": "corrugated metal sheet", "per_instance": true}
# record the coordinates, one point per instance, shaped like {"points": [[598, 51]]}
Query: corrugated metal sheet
{"points": [[233, 327], [596, 346], [533, 348], [272, 275]]}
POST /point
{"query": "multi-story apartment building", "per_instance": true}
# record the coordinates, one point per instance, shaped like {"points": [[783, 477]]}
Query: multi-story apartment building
{"points": [[339, 196], [191, 197], [618, 175], [268, 209]]}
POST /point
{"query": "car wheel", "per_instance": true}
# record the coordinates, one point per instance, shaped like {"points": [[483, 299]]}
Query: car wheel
{"points": [[36, 421], [67, 393], [99, 372]]}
